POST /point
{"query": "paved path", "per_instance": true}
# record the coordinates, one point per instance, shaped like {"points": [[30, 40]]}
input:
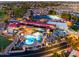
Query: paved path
{"points": [[41, 52]]}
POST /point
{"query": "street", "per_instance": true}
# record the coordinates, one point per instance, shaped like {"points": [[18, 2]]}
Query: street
{"points": [[40, 52]]}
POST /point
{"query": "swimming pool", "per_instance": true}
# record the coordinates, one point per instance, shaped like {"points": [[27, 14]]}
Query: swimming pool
{"points": [[31, 39], [40, 17], [48, 17]]}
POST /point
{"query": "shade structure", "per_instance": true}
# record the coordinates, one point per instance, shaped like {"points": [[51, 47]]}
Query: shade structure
{"points": [[59, 25]]}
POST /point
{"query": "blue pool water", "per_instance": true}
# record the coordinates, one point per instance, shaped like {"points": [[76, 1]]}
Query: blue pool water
{"points": [[32, 39], [29, 39], [40, 17], [48, 17]]}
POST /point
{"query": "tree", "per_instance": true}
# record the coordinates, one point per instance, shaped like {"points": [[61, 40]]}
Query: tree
{"points": [[66, 15], [75, 18], [52, 12], [74, 27], [19, 11], [2, 14], [73, 41], [56, 55]]}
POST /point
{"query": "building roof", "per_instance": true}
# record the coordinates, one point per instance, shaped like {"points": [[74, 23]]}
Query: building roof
{"points": [[2, 25], [59, 25]]}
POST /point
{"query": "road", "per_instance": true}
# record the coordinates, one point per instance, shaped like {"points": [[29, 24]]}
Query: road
{"points": [[38, 53]]}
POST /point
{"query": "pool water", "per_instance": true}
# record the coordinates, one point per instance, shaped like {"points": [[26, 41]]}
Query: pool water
{"points": [[30, 39], [41, 17], [48, 17]]}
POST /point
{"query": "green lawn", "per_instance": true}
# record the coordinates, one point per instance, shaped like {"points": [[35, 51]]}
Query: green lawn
{"points": [[4, 42], [2, 14]]}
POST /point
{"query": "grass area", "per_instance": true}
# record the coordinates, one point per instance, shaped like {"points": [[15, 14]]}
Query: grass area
{"points": [[4, 42], [2, 14]]}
